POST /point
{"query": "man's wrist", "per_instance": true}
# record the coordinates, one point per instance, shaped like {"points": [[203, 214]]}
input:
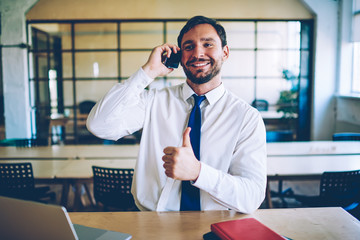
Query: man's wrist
{"points": [[198, 174], [148, 71]]}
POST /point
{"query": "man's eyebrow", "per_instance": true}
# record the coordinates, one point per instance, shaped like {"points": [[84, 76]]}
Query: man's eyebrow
{"points": [[210, 39]]}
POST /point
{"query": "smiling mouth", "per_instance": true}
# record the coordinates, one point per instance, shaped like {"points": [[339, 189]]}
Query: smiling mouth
{"points": [[198, 64]]}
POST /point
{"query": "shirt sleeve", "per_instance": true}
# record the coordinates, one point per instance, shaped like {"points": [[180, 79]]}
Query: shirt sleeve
{"points": [[122, 110], [242, 188]]}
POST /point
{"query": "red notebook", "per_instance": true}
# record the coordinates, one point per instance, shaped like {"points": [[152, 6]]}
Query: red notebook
{"points": [[247, 228]]}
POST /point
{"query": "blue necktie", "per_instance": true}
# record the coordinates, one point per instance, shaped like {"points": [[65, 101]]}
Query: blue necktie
{"points": [[190, 195]]}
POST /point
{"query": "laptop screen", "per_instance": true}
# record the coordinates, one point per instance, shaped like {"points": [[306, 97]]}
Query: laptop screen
{"points": [[31, 220]]}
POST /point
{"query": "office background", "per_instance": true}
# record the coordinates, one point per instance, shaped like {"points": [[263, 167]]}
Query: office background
{"points": [[295, 54]]}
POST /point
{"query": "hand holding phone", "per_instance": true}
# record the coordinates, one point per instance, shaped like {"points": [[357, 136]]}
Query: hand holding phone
{"points": [[173, 61]]}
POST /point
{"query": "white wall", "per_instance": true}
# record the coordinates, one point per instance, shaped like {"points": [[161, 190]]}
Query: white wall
{"points": [[347, 107], [15, 68], [325, 67], [114, 9]]}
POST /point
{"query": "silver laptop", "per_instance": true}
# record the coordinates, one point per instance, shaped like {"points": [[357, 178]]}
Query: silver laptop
{"points": [[21, 219]]}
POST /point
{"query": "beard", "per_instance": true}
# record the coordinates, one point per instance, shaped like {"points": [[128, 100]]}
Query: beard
{"points": [[201, 77]]}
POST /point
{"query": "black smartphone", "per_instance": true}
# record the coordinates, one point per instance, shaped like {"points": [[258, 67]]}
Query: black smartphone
{"points": [[173, 61]]}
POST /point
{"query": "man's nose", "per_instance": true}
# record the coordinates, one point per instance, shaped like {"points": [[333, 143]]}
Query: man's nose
{"points": [[198, 52]]}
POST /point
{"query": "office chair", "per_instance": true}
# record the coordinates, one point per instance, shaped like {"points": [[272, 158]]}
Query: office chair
{"points": [[337, 189], [17, 181], [112, 188], [346, 136], [260, 104]]}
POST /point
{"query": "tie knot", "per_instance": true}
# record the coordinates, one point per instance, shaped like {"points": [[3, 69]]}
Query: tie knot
{"points": [[198, 99]]}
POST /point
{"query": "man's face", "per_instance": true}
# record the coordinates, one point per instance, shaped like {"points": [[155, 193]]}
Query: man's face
{"points": [[202, 53]]}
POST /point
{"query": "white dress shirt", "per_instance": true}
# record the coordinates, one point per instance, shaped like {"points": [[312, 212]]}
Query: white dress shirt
{"points": [[232, 149]]}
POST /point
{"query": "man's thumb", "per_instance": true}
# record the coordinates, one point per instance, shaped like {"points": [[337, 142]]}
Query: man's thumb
{"points": [[186, 137]]}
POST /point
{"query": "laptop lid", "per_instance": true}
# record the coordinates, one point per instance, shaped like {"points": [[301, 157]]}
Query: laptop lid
{"points": [[21, 219]]}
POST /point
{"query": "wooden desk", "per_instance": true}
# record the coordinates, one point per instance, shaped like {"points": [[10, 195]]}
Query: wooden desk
{"points": [[303, 223]]}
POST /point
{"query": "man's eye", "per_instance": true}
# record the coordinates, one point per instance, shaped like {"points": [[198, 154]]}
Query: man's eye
{"points": [[207, 44], [188, 47]]}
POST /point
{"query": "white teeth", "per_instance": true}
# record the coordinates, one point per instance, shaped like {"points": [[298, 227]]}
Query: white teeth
{"points": [[200, 64]]}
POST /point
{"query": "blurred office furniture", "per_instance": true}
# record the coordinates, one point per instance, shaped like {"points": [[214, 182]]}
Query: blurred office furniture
{"points": [[17, 181], [260, 104], [31, 142], [84, 136], [279, 136], [24, 142], [337, 189], [86, 106], [57, 129], [112, 188], [346, 136]]}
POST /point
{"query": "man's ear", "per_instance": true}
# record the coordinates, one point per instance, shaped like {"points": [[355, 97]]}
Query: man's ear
{"points": [[226, 53]]}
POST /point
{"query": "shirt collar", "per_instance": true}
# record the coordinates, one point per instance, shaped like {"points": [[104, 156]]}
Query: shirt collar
{"points": [[212, 97]]}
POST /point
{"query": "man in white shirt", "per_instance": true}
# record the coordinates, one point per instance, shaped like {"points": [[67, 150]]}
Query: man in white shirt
{"points": [[231, 173]]}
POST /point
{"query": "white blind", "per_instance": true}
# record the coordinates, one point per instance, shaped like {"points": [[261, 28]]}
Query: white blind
{"points": [[356, 21]]}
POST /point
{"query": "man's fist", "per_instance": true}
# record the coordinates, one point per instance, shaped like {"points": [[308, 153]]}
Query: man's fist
{"points": [[180, 162]]}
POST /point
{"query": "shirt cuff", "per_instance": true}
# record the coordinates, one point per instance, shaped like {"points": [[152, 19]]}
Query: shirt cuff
{"points": [[139, 80], [208, 178]]}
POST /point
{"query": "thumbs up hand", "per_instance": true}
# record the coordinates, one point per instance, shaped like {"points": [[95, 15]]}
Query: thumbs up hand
{"points": [[180, 162]]}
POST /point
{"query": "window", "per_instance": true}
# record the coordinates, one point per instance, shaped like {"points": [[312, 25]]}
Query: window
{"points": [[269, 60]]}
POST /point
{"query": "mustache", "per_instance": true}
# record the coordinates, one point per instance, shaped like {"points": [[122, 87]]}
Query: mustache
{"points": [[188, 63]]}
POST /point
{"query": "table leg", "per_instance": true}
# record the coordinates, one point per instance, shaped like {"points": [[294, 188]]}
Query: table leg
{"points": [[65, 193], [268, 195], [88, 193], [77, 198]]}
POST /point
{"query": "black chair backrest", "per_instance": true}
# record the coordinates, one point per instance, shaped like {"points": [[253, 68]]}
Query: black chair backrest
{"points": [[112, 187], [346, 136], [86, 106], [340, 188], [17, 180]]}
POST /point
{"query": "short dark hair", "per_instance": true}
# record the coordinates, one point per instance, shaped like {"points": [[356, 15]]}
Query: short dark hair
{"points": [[194, 21]]}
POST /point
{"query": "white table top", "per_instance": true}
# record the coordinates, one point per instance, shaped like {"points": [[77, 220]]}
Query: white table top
{"points": [[43, 169], [311, 165], [71, 169], [82, 169], [276, 166], [70, 152], [284, 158], [313, 148], [131, 151]]}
